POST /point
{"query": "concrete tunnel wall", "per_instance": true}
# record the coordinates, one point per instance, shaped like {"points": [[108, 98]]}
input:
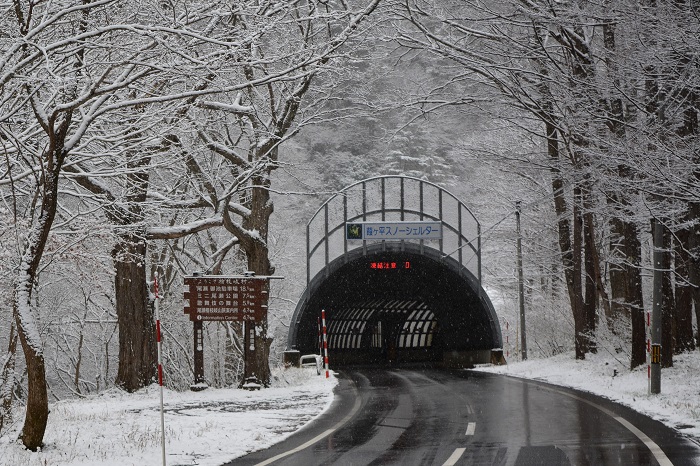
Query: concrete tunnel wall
{"points": [[466, 326]]}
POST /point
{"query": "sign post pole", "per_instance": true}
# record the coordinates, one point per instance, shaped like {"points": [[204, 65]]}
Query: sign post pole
{"points": [[160, 364], [249, 375], [217, 298], [199, 383]]}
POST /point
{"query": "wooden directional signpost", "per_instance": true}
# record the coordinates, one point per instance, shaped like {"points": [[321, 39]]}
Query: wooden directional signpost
{"points": [[224, 298], [218, 298]]}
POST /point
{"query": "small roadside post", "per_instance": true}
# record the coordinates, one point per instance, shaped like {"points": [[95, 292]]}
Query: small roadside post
{"points": [[325, 342]]}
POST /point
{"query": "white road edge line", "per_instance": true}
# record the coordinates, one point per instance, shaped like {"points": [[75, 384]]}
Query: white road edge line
{"points": [[355, 409], [452, 460], [656, 450], [471, 428]]}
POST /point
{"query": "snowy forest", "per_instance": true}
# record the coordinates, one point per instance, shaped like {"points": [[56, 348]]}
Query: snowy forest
{"points": [[168, 137]]}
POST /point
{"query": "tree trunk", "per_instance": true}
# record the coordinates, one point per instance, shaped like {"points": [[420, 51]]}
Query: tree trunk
{"points": [[689, 253], [137, 345], [592, 269], [694, 260], [618, 275], [138, 352], [618, 272], [582, 70], [7, 378], [626, 283], [569, 263], [694, 246], [689, 130], [578, 307], [257, 254], [683, 323], [635, 299], [37, 398], [625, 277], [37, 416]]}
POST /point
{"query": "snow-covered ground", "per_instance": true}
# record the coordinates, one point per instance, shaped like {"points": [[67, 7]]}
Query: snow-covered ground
{"points": [[215, 426], [202, 428]]}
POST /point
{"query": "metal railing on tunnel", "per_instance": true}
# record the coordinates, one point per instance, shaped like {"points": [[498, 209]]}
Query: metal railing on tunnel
{"points": [[398, 199]]}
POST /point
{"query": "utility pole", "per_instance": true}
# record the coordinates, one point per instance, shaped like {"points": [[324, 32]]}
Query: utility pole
{"points": [[521, 285], [657, 297]]}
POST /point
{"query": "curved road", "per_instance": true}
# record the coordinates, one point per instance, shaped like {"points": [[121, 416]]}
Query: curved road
{"points": [[435, 417]]}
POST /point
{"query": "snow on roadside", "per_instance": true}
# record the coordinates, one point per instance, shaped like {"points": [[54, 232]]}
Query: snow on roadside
{"points": [[217, 425], [677, 406], [203, 428]]}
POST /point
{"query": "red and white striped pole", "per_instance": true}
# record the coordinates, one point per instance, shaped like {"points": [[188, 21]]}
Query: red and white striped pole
{"points": [[160, 364], [325, 342]]}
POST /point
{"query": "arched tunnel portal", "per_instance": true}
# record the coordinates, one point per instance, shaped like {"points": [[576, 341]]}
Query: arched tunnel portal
{"points": [[394, 303]]}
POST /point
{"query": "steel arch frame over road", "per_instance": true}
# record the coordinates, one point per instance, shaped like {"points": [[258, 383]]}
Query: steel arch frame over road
{"points": [[391, 301]]}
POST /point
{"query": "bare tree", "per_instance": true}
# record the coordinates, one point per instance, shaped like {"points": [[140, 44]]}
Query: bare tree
{"points": [[263, 118], [599, 109], [65, 71]]}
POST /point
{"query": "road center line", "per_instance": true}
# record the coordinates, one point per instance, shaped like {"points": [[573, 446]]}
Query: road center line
{"points": [[355, 409], [471, 428], [452, 460]]}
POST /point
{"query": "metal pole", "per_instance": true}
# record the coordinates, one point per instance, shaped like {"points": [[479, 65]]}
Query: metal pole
{"points": [[160, 365], [521, 286], [657, 297]]}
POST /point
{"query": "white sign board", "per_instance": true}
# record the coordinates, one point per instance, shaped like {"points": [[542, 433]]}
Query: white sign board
{"points": [[367, 231]]}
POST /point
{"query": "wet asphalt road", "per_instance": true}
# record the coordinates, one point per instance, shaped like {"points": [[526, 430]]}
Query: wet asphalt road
{"points": [[434, 417]]}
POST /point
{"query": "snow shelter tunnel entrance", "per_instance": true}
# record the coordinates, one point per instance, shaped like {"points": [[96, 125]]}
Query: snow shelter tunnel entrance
{"points": [[392, 304]]}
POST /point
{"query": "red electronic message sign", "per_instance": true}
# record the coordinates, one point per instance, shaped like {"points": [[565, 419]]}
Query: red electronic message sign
{"points": [[390, 265]]}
